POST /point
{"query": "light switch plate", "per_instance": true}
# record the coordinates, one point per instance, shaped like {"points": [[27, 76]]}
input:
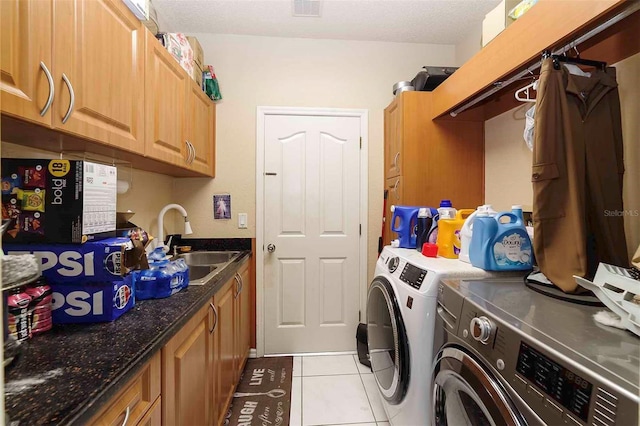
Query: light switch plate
{"points": [[242, 220]]}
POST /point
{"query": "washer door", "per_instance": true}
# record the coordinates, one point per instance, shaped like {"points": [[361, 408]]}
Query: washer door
{"points": [[465, 393], [387, 341]]}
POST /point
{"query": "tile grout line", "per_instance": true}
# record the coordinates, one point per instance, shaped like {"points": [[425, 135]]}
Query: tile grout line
{"points": [[373, 413]]}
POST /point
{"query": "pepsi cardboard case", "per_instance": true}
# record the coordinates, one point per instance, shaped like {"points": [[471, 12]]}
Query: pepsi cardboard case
{"points": [[91, 302], [94, 261], [62, 201]]}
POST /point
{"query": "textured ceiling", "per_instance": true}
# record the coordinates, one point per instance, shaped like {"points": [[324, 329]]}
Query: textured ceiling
{"points": [[417, 21]]}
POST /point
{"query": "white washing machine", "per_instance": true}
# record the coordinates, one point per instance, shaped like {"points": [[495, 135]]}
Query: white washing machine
{"points": [[401, 311]]}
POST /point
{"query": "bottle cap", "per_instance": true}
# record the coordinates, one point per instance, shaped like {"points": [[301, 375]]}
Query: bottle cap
{"points": [[445, 203], [430, 250], [424, 212]]}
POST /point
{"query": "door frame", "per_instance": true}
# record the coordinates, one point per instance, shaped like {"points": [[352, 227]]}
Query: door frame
{"points": [[262, 113]]}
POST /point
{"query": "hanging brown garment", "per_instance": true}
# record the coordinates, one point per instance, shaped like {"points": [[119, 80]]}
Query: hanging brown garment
{"points": [[577, 175]]}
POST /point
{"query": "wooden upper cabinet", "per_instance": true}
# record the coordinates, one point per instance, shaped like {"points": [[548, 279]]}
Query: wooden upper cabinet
{"points": [[25, 35], [201, 131], [165, 103], [98, 58], [393, 139]]}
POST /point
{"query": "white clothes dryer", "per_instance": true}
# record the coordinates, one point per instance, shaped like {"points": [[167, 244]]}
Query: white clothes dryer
{"points": [[401, 311]]}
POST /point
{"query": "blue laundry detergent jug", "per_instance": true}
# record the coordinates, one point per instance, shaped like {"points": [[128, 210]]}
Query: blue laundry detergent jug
{"points": [[500, 243], [404, 222]]}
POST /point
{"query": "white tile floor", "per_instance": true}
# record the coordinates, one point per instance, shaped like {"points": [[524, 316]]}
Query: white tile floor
{"points": [[334, 390]]}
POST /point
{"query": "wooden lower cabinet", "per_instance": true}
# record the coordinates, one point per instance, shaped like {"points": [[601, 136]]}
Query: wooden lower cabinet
{"points": [[225, 376], [138, 403], [191, 381], [187, 373], [243, 317]]}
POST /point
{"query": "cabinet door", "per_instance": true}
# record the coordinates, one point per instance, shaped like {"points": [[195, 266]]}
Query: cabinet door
{"points": [[393, 139], [243, 315], [165, 103], [394, 197], [138, 399], [153, 416], [200, 119], [225, 348], [186, 375], [25, 35], [98, 47]]}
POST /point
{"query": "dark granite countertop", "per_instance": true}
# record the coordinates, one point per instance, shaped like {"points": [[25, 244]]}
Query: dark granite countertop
{"points": [[68, 374]]}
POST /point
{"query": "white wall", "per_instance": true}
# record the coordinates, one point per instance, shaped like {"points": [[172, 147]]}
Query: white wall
{"points": [[508, 160], [469, 45], [270, 71]]}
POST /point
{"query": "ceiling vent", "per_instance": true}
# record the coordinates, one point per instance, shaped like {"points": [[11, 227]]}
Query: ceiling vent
{"points": [[306, 8]]}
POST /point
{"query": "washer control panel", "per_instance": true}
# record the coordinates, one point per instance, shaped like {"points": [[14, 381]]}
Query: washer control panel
{"points": [[413, 275]]}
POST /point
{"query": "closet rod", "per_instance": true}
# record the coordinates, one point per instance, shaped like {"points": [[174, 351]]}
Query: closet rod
{"points": [[498, 85]]}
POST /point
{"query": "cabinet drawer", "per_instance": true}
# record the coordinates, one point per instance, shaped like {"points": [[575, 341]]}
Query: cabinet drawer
{"points": [[138, 396]]}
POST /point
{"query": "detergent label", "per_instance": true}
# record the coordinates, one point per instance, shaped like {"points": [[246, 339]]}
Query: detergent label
{"points": [[456, 242], [513, 250]]}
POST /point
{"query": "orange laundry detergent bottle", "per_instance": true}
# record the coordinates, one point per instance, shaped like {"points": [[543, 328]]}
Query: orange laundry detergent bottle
{"points": [[449, 234]]}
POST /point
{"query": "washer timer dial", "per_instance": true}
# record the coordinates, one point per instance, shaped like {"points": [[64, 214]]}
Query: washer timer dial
{"points": [[393, 264]]}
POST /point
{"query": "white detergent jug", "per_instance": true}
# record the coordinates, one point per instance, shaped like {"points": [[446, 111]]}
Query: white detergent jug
{"points": [[467, 231]]}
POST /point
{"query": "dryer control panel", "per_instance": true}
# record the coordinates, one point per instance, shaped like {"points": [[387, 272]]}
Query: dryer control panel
{"points": [[413, 275]]}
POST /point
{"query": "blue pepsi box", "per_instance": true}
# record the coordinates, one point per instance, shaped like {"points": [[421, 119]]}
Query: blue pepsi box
{"points": [[91, 302], [93, 261]]}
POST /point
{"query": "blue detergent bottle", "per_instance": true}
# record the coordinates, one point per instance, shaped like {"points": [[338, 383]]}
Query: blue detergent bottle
{"points": [[500, 243], [404, 222]]}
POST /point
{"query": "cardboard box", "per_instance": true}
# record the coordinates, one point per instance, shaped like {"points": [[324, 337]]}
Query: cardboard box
{"points": [[197, 74], [180, 49], [62, 201], [497, 20], [76, 263], [91, 302], [198, 53]]}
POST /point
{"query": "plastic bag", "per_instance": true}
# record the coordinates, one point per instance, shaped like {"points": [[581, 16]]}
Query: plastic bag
{"points": [[528, 127], [210, 84]]}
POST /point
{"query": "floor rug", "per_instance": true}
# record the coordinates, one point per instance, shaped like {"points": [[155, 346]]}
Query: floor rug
{"points": [[263, 396]]}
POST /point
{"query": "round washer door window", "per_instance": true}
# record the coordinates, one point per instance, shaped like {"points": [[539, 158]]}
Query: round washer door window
{"points": [[464, 393], [387, 341]]}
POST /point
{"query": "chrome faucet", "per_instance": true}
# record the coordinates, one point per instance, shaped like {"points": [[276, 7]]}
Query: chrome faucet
{"points": [[187, 225]]}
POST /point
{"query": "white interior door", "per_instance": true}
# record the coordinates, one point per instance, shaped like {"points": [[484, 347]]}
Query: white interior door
{"points": [[311, 223]]}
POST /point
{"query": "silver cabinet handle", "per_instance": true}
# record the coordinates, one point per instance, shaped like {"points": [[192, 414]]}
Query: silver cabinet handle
{"points": [[193, 149], [213, 309], [188, 152], [241, 283], [126, 416], [237, 293], [395, 161], [395, 189], [215, 317], [72, 98], [51, 89], [271, 248], [192, 152]]}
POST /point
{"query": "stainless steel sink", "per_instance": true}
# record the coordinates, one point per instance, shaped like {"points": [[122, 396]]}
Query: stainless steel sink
{"points": [[198, 272], [208, 257], [204, 265]]}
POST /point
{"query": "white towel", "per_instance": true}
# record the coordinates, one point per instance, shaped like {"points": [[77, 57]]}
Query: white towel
{"points": [[610, 319]]}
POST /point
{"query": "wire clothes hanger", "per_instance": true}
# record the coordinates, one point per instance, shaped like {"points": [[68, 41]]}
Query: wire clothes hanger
{"points": [[576, 60]]}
